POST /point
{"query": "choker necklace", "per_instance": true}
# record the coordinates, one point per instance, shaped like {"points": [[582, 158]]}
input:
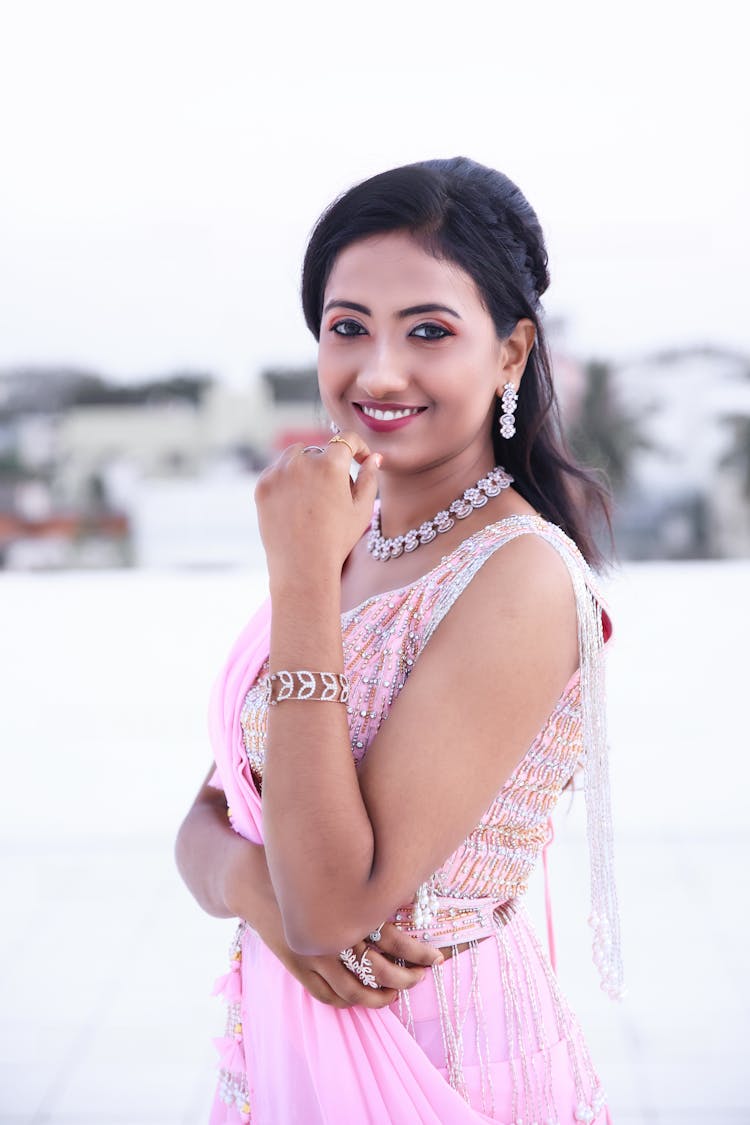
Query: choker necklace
{"points": [[476, 497]]}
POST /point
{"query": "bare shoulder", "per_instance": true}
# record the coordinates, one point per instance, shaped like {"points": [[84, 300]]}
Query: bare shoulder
{"points": [[525, 583], [533, 559], [512, 632]]}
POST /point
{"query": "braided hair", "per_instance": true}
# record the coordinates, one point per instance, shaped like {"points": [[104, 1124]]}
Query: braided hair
{"points": [[476, 217]]}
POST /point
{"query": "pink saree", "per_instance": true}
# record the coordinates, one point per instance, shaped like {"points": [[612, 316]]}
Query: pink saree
{"points": [[487, 1036]]}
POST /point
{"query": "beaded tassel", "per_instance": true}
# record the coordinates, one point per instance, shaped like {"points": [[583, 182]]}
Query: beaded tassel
{"points": [[451, 1029], [604, 917], [233, 1088], [482, 1043], [404, 1005], [591, 1097], [544, 1090]]}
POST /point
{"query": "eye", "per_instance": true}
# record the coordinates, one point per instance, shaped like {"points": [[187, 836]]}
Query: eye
{"points": [[347, 328], [430, 332]]}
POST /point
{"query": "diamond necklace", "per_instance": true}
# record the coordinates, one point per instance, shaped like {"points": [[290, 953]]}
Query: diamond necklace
{"points": [[476, 497]]}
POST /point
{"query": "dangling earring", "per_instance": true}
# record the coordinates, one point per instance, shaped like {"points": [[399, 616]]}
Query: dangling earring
{"points": [[508, 403], [333, 428]]}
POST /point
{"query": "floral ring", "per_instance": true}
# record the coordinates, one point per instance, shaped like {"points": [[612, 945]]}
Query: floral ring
{"points": [[361, 968]]}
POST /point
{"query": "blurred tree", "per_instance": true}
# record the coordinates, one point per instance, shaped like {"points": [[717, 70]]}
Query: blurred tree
{"points": [[96, 493], [738, 455], [604, 435], [10, 464]]}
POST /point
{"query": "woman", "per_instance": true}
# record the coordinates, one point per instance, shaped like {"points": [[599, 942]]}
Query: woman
{"points": [[421, 686]]}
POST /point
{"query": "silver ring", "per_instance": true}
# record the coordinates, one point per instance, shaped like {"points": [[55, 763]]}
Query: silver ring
{"points": [[376, 935], [361, 968], [313, 449]]}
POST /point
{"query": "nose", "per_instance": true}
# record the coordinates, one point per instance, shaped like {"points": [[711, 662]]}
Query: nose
{"points": [[383, 373]]}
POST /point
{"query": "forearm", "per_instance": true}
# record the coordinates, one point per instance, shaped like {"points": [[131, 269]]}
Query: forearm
{"points": [[319, 840], [226, 874]]}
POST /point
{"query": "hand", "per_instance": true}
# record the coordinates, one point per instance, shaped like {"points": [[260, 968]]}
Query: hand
{"points": [[309, 509], [330, 982]]}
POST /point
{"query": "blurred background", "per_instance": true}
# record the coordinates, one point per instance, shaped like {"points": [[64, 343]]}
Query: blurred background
{"points": [[162, 166]]}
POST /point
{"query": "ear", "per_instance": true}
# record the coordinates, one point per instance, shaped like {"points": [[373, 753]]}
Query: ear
{"points": [[514, 353]]}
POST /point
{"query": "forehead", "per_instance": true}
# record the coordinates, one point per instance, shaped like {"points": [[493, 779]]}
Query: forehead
{"points": [[394, 270]]}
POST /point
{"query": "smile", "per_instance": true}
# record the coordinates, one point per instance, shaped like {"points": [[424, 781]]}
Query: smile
{"points": [[390, 415]]}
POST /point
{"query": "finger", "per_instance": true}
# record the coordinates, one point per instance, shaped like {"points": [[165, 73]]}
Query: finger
{"points": [[365, 488], [320, 989], [396, 943], [349, 444], [351, 989], [390, 975], [290, 453]]}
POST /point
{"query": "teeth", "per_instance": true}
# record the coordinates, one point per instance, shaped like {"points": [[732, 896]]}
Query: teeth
{"points": [[388, 415]]}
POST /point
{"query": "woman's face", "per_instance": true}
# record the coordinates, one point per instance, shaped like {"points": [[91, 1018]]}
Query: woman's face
{"points": [[408, 355]]}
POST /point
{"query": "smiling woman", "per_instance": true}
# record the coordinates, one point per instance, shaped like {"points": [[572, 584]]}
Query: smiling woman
{"points": [[433, 369], [392, 739]]}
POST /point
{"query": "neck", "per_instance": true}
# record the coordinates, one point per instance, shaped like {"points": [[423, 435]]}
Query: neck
{"points": [[408, 499]]}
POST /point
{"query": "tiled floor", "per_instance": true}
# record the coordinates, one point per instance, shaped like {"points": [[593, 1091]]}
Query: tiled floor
{"points": [[106, 964]]}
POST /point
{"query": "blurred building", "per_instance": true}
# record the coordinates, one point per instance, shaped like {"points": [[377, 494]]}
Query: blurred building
{"points": [[93, 473], [688, 492], [162, 472], [39, 524]]}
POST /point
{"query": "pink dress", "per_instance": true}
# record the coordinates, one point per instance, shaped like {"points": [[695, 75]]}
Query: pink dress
{"points": [[486, 1036]]}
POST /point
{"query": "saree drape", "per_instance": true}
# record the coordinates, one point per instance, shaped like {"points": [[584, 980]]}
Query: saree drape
{"points": [[288, 1058]]}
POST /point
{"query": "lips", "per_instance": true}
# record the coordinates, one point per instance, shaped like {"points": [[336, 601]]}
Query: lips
{"points": [[384, 416]]}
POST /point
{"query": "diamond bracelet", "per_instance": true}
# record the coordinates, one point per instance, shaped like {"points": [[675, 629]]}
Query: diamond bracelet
{"points": [[327, 687]]}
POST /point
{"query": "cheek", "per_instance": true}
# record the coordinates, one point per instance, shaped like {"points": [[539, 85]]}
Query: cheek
{"points": [[469, 379], [333, 370]]}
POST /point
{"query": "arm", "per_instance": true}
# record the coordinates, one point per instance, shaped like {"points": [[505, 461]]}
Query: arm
{"points": [[345, 848], [228, 876]]}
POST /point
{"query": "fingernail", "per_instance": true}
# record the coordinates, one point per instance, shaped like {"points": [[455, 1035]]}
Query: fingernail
{"points": [[378, 459]]}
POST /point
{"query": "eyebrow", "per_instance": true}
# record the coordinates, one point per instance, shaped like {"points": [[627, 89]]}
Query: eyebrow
{"points": [[413, 310]]}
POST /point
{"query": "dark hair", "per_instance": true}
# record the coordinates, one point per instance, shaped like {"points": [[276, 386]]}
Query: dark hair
{"points": [[474, 216]]}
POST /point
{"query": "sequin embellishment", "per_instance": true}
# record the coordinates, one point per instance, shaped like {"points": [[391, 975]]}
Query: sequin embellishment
{"points": [[382, 639]]}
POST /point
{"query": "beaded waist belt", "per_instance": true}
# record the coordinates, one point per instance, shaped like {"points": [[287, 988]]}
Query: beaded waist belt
{"points": [[458, 919]]}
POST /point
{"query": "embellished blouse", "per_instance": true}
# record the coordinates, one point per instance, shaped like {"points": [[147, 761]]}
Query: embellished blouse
{"points": [[382, 639]]}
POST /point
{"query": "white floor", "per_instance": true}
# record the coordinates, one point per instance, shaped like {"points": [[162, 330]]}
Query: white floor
{"points": [[106, 964]]}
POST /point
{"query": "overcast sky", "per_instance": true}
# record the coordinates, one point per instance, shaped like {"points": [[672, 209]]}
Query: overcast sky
{"points": [[163, 163]]}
